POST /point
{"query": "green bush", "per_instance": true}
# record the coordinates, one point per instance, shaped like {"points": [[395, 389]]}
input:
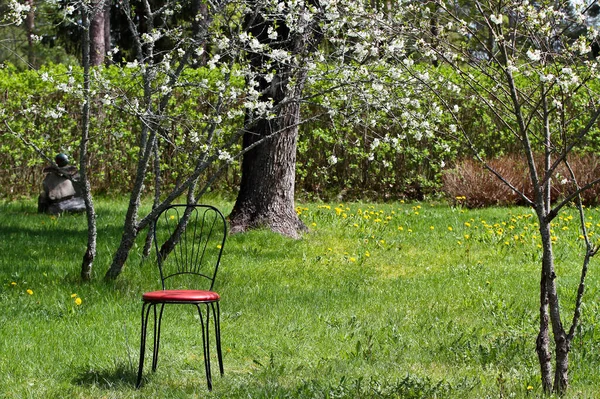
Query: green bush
{"points": [[336, 159]]}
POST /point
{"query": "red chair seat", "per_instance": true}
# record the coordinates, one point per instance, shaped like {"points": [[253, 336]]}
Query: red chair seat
{"points": [[181, 296]]}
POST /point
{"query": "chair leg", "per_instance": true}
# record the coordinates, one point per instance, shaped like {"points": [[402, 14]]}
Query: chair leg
{"points": [[217, 317], [157, 336], [205, 346], [145, 314]]}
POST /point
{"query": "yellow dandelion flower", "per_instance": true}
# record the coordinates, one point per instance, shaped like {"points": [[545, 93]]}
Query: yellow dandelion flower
{"points": [[467, 236], [78, 301], [73, 295], [400, 228], [355, 225], [449, 228], [30, 292], [367, 254], [529, 388], [13, 283], [409, 230], [352, 259], [172, 217], [313, 224], [467, 224], [459, 242], [431, 228]]}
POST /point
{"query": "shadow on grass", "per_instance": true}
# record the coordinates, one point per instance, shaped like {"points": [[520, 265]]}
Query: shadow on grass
{"points": [[119, 375]]}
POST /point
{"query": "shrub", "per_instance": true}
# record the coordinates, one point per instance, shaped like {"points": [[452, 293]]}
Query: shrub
{"points": [[469, 183]]}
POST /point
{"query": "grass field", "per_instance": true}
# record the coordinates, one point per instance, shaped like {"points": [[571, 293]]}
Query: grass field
{"points": [[398, 300]]}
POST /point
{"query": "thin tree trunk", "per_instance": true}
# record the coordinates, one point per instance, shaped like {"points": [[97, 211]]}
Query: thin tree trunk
{"points": [[146, 147], [30, 26], [543, 339], [90, 253], [107, 39]]}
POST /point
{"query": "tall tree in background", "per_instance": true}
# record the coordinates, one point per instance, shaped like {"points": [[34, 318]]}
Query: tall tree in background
{"points": [[266, 195], [99, 25], [30, 29]]}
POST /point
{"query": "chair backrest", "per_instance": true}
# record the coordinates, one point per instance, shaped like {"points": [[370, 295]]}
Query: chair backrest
{"points": [[189, 242]]}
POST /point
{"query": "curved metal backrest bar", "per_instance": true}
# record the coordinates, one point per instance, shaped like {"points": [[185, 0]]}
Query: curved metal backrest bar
{"points": [[189, 241]]}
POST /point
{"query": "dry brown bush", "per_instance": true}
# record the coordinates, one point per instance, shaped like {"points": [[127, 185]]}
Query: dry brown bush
{"points": [[480, 188]]}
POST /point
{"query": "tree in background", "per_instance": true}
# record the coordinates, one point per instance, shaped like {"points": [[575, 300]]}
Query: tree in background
{"points": [[266, 195], [250, 84], [538, 84]]}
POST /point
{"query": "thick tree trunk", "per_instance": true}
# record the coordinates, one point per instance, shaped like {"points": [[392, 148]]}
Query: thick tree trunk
{"points": [[266, 196], [97, 34]]}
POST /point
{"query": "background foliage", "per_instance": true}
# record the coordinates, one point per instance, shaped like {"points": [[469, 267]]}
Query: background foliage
{"points": [[365, 166]]}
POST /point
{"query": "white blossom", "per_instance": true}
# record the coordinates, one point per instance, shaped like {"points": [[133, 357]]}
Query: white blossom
{"points": [[534, 55], [225, 156], [496, 19], [272, 33], [17, 11]]}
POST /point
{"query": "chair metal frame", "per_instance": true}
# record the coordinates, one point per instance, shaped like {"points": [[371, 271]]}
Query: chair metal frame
{"points": [[190, 228]]}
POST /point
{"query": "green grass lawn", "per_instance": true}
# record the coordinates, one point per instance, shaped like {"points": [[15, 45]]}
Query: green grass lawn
{"points": [[395, 301]]}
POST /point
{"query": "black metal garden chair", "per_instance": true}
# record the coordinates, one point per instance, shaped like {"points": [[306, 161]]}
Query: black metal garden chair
{"points": [[189, 241]]}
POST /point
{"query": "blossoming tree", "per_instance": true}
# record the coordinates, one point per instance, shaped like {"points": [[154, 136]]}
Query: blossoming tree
{"points": [[250, 80], [539, 84]]}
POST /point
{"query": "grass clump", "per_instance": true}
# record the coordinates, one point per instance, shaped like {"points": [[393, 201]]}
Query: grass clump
{"points": [[378, 301]]}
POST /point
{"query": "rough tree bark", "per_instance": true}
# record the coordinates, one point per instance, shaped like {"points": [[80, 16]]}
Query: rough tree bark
{"points": [[266, 195]]}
